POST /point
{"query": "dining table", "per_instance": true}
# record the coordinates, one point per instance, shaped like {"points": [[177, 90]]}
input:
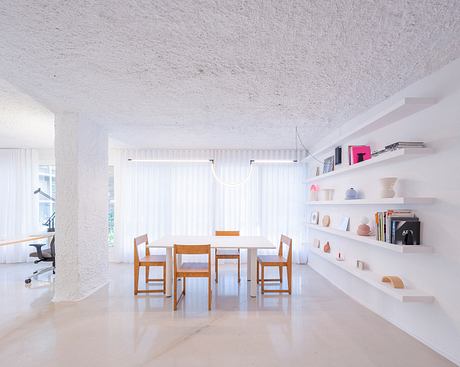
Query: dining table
{"points": [[250, 243]]}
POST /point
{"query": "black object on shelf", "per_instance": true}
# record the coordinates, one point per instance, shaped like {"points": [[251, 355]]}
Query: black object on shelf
{"points": [[338, 155]]}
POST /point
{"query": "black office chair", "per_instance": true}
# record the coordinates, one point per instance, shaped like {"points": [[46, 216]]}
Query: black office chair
{"points": [[46, 255]]}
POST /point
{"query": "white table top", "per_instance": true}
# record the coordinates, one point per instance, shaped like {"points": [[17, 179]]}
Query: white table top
{"points": [[26, 238], [258, 242]]}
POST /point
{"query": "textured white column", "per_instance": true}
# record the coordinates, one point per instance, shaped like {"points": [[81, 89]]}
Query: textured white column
{"points": [[81, 150]]}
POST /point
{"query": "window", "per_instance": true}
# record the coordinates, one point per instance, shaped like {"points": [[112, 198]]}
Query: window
{"points": [[111, 238], [47, 179]]}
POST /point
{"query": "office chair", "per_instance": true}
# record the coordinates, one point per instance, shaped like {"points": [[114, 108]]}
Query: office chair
{"points": [[46, 255]]}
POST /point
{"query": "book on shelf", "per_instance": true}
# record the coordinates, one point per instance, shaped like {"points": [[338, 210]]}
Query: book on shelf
{"points": [[401, 227], [400, 145], [358, 153]]}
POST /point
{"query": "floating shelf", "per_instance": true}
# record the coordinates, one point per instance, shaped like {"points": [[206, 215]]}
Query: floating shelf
{"points": [[396, 112], [402, 295], [405, 249], [400, 154], [390, 201]]}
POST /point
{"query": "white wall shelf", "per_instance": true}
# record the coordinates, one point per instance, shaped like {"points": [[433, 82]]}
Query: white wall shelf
{"points": [[400, 154], [390, 201], [401, 109], [402, 295], [370, 240]]}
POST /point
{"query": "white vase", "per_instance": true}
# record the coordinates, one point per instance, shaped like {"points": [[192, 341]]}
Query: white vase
{"points": [[326, 194], [388, 184]]}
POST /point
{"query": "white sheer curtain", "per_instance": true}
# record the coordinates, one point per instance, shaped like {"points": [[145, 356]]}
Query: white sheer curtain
{"points": [[170, 198], [18, 204]]}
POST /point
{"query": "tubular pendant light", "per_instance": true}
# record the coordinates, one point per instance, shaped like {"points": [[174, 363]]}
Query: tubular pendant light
{"points": [[169, 160], [236, 184]]}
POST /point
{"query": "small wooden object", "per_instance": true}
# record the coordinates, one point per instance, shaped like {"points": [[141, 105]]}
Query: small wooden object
{"points": [[326, 221], [394, 280]]}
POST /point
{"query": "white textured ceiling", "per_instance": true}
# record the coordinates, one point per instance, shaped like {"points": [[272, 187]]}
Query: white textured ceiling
{"points": [[23, 121], [230, 74]]}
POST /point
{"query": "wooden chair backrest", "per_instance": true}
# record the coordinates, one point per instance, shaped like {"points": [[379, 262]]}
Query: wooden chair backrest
{"points": [[139, 241], [227, 233], [285, 240], [192, 250]]}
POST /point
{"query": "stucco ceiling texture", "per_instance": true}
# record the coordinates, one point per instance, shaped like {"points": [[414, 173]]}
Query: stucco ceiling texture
{"points": [[23, 121], [223, 74]]}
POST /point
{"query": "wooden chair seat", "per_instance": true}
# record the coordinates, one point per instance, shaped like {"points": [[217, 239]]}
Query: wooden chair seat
{"points": [[227, 254], [201, 269], [153, 259], [272, 260]]}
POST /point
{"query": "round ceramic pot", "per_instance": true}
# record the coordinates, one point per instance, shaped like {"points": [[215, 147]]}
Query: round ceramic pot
{"points": [[351, 194]]}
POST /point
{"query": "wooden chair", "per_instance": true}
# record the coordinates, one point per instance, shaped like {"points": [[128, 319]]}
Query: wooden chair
{"points": [[147, 261], [279, 261], [227, 254], [191, 269]]}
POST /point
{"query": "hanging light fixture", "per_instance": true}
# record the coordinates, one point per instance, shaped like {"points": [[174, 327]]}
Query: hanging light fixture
{"points": [[169, 160], [235, 184], [213, 164]]}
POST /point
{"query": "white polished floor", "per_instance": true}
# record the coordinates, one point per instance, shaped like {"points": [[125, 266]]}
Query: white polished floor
{"points": [[317, 326]]}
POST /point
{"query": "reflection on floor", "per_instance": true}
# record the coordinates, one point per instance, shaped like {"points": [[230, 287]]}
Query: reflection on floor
{"points": [[317, 326]]}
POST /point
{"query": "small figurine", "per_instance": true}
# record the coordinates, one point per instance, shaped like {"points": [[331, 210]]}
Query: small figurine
{"points": [[363, 228], [327, 247]]}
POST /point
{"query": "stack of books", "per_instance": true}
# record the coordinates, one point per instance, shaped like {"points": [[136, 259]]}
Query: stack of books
{"points": [[400, 145], [405, 144], [401, 227]]}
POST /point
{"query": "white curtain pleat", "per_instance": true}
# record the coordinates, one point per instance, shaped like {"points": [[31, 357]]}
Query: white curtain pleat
{"points": [[18, 204], [184, 199]]}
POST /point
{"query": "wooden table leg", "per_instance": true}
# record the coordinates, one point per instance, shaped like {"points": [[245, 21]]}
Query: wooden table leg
{"points": [[169, 271], [253, 262]]}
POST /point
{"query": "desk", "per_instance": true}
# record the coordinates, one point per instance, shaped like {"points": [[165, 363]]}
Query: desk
{"points": [[251, 243], [27, 238]]}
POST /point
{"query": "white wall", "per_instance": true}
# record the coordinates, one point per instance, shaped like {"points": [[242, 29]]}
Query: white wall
{"points": [[436, 175]]}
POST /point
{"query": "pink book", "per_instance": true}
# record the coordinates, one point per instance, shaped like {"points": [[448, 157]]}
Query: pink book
{"points": [[360, 153]]}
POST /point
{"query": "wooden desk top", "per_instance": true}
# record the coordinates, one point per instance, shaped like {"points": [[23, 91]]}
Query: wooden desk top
{"points": [[26, 238]]}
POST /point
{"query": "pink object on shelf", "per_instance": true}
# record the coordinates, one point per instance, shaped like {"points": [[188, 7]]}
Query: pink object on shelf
{"points": [[314, 188], [360, 153]]}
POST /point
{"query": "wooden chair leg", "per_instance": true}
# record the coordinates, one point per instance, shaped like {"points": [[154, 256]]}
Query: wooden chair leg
{"points": [[136, 279], [147, 273], [289, 275], [262, 278], [281, 274], [258, 279], [164, 279], [216, 262], [175, 292], [183, 286], [209, 293], [239, 279]]}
